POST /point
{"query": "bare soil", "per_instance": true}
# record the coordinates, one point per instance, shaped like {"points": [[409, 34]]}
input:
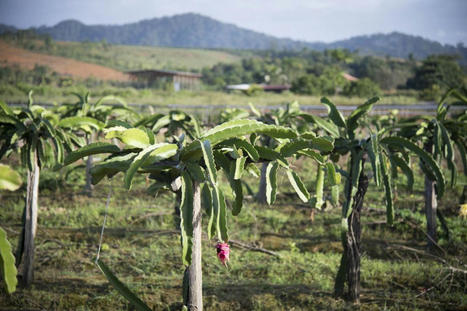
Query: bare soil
{"points": [[61, 65]]}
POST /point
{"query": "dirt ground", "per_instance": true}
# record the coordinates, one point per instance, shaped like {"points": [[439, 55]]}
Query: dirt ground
{"points": [[61, 65]]}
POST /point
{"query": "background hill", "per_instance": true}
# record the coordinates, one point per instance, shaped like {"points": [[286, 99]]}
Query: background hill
{"points": [[397, 44], [197, 31], [185, 30]]}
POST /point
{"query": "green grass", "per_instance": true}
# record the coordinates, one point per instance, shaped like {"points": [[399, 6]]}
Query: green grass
{"points": [[142, 247], [205, 98]]}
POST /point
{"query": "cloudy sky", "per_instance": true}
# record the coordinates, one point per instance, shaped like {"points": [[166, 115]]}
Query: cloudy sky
{"points": [[312, 20]]}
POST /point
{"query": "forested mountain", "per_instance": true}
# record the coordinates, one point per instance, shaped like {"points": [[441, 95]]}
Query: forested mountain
{"points": [[197, 31], [186, 30], [6, 28], [397, 44]]}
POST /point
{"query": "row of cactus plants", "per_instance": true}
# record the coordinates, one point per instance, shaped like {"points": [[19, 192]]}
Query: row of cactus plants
{"points": [[188, 160], [191, 167]]}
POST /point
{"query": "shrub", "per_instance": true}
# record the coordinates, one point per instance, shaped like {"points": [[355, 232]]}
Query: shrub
{"points": [[362, 88]]}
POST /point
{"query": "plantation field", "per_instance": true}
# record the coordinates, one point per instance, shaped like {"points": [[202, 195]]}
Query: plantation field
{"points": [[146, 198], [126, 57], [11, 55], [390, 237], [142, 246]]}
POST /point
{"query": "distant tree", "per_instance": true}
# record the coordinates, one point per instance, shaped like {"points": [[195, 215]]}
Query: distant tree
{"points": [[293, 67], [327, 83], [48, 42], [308, 84], [362, 88], [438, 70], [39, 74], [105, 45], [340, 55], [387, 73]]}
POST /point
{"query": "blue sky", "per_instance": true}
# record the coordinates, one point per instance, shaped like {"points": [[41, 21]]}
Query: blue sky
{"points": [[312, 20]]}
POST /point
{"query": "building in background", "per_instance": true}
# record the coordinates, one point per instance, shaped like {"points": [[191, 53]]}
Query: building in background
{"points": [[264, 87], [179, 80]]}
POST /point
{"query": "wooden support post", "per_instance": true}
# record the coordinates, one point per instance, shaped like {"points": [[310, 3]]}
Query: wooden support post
{"points": [[30, 224], [194, 271]]}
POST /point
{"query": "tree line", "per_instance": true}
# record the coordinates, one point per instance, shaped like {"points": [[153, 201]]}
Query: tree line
{"points": [[322, 73]]}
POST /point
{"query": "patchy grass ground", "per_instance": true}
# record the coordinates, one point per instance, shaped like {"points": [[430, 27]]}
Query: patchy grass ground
{"points": [[204, 103], [142, 247]]}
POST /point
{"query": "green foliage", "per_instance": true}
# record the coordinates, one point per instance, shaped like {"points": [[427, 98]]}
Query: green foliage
{"points": [[302, 145], [34, 130], [334, 113], [271, 182], [387, 190], [362, 88], [309, 252], [440, 136], [385, 73], [437, 74], [122, 288], [236, 128], [149, 155], [7, 263], [308, 84], [133, 137], [186, 218], [181, 162], [362, 110], [9, 179], [209, 162], [383, 150], [328, 82], [315, 73], [298, 186], [85, 122], [167, 163], [84, 113], [233, 114], [319, 199], [379, 148], [39, 75], [94, 148]]}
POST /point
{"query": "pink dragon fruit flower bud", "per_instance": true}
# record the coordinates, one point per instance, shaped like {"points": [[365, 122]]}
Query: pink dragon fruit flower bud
{"points": [[223, 251]]}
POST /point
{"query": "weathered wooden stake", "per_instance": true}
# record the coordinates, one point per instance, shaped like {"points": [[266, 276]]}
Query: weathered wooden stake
{"points": [[194, 271], [349, 269], [30, 222], [352, 247]]}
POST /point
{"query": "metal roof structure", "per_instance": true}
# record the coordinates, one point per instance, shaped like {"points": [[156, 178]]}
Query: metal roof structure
{"points": [[166, 73], [265, 87]]}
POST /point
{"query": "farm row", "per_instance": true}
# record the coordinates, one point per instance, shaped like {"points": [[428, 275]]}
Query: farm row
{"points": [[208, 168]]}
